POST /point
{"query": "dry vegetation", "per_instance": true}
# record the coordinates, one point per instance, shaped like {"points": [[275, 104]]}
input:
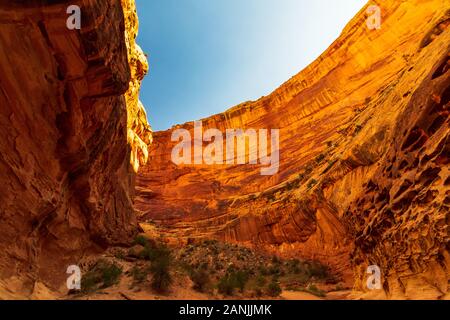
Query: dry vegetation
{"points": [[209, 267]]}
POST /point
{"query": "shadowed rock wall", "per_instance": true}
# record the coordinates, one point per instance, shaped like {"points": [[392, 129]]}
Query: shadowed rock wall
{"points": [[72, 132]]}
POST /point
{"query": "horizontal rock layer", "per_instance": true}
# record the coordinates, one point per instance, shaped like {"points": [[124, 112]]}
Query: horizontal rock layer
{"points": [[72, 132], [363, 175]]}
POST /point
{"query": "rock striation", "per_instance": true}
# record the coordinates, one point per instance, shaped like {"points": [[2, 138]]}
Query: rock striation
{"points": [[73, 135], [364, 151]]}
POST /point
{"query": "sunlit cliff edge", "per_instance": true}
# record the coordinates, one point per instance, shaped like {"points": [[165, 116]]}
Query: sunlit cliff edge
{"points": [[73, 135], [364, 154]]}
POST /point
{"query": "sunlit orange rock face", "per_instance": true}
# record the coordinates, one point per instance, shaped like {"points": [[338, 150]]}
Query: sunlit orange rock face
{"points": [[72, 134], [364, 155]]}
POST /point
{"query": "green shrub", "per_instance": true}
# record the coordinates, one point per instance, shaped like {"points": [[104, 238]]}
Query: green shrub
{"points": [[291, 268], [90, 282], [119, 254], [315, 291], [275, 270], [273, 289], [232, 281], [161, 279], [111, 275], [138, 274], [155, 251], [141, 240], [160, 257], [318, 270], [261, 281], [102, 275], [225, 286], [263, 270], [200, 279], [302, 278], [241, 278]]}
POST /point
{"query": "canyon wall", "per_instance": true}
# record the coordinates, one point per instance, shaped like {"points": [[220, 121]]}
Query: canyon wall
{"points": [[73, 135], [364, 151]]}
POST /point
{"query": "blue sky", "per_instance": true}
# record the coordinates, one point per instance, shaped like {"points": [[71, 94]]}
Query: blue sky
{"points": [[208, 55]]}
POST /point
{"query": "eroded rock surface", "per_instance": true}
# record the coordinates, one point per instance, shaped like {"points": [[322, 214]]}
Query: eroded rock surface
{"points": [[364, 156], [72, 132]]}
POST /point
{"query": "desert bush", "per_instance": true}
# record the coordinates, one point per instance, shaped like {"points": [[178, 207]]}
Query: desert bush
{"points": [[138, 274], [232, 281], [275, 270], [102, 275], [225, 286], [119, 254], [273, 289], [261, 281], [153, 252], [141, 240], [263, 271], [161, 279], [318, 270], [293, 266], [200, 279], [315, 291], [241, 278], [160, 258]]}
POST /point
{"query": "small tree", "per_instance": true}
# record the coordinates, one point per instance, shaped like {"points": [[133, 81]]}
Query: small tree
{"points": [[225, 286], [240, 279], [273, 289]]}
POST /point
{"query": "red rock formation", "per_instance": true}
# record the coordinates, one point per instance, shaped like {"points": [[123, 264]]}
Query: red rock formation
{"points": [[401, 221], [68, 106], [363, 173]]}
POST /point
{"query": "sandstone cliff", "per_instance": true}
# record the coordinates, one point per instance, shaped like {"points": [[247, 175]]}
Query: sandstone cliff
{"points": [[364, 153], [73, 135]]}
